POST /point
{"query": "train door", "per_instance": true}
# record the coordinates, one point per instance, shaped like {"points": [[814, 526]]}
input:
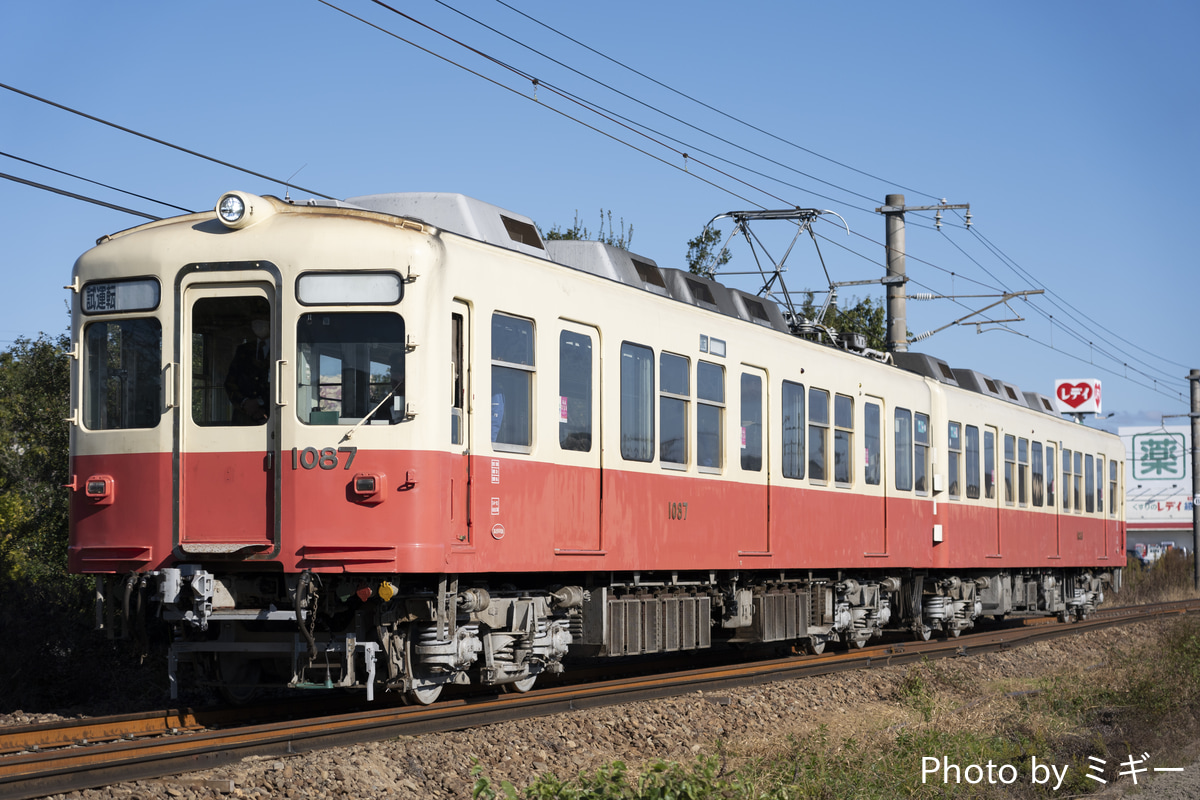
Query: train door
{"points": [[577, 476], [228, 431], [875, 498], [460, 430]]}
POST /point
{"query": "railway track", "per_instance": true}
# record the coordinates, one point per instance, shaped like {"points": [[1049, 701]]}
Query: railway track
{"points": [[58, 757]]}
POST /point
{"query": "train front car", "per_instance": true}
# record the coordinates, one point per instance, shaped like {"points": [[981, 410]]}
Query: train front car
{"points": [[401, 442], [260, 453]]}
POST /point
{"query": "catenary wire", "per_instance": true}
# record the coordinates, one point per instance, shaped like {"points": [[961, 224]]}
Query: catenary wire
{"points": [[97, 183], [75, 196], [164, 143]]}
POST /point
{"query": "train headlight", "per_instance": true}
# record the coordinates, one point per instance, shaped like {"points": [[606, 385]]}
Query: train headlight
{"points": [[241, 210], [231, 209]]}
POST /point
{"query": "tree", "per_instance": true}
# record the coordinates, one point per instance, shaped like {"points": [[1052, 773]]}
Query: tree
{"points": [[34, 457], [865, 316], [579, 232], [702, 257]]}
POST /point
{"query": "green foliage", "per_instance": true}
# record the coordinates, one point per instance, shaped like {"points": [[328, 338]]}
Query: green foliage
{"points": [[1171, 577], [702, 257], [579, 232], [865, 316], [34, 459]]}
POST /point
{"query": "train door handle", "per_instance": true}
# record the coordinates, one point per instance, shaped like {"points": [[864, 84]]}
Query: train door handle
{"points": [[279, 393]]}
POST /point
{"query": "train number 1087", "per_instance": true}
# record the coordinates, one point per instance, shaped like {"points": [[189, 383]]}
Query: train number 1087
{"points": [[677, 511], [311, 457]]}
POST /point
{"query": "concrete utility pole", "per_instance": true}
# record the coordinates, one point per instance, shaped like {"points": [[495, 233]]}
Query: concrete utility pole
{"points": [[893, 209], [1194, 377]]}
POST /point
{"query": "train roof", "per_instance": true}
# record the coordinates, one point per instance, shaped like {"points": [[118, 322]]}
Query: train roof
{"points": [[476, 219]]}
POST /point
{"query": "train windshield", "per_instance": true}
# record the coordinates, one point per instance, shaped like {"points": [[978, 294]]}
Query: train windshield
{"points": [[350, 366], [122, 374]]}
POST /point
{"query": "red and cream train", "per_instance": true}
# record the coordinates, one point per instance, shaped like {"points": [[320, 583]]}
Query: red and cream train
{"points": [[401, 442]]}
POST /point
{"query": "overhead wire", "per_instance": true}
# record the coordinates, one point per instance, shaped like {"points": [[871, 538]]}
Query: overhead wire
{"points": [[162, 142], [75, 196], [96, 183]]}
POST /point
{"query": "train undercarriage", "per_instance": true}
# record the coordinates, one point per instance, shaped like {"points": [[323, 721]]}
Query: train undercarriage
{"points": [[417, 635]]}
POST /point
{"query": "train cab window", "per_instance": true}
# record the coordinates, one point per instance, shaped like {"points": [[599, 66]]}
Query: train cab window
{"points": [[1066, 480], [989, 464], [710, 407], [972, 458], [1077, 475], [674, 387], [1112, 488], [122, 374], [752, 428], [1089, 484], [872, 443], [637, 402], [1039, 480], [512, 383], [921, 453], [1051, 471], [954, 450], [843, 439], [904, 450], [792, 451], [818, 434], [350, 367], [1010, 463], [1023, 472], [575, 391]]}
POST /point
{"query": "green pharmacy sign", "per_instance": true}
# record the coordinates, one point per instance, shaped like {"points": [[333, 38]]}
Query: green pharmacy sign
{"points": [[1159, 456]]}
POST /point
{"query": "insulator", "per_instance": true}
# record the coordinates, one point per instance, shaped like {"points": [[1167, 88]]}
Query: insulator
{"points": [[937, 220], [968, 219]]}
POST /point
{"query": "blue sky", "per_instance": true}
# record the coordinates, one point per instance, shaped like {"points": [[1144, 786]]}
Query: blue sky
{"points": [[1069, 127]]}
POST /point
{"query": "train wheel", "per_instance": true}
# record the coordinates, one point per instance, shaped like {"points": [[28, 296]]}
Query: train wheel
{"points": [[814, 646], [239, 679], [520, 687], [422, 693], [924, 632]]}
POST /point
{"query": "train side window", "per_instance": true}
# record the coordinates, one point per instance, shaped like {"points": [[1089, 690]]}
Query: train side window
{"points": [[574, 391], [904, 450], [793, 430], [954, 449], [512, 383], [1077, 475], [1089, 484], [843, 439], [1023, 472], [752, 428], [873, 443], [122, 374], [457, 383], [637, 402], [1099, 484], [1112, 488], [1039, 479], [350, 366], [1051, 471], [1010, 463], [710, 406], [989, 464], [921, 453], [674, 387], [818, 434], [1066, 480], [972, 456]]}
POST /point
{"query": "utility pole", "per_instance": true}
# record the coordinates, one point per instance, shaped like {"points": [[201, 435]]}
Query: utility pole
{"points": [[1194, 377], [893, 210]]}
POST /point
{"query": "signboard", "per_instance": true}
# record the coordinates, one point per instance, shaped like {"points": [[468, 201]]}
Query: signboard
{"points": [[1079, 396], [1158, 475]]}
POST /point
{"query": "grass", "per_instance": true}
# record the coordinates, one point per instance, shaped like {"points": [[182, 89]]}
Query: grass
{"points": [[1037, 734]]}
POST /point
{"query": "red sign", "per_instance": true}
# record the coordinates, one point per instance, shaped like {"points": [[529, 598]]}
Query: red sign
{"points": [[1076, 396]]}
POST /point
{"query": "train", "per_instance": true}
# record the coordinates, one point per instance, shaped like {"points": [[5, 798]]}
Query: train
{"points": [[401, 442]]}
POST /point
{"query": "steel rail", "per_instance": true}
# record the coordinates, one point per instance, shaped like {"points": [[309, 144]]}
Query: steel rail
{"points": [[32, 775]]}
